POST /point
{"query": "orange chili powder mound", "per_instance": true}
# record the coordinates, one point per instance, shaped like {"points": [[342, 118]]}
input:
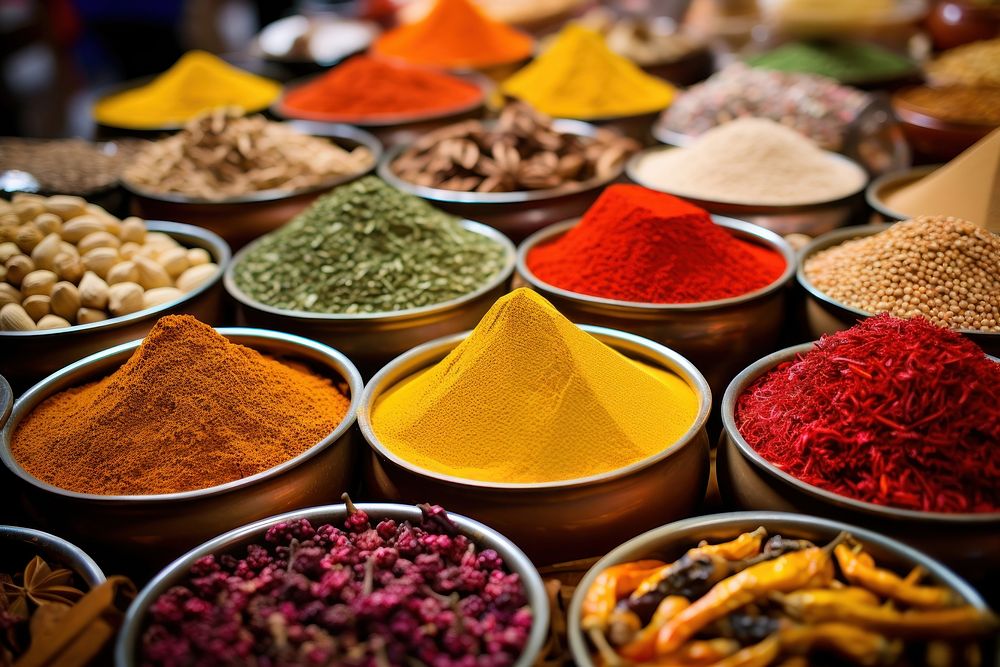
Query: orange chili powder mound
{"points": [[455, 33], [189, 410], [368, 88]]}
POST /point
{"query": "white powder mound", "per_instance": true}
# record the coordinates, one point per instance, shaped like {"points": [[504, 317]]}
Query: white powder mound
{"points": [[752, 161]]}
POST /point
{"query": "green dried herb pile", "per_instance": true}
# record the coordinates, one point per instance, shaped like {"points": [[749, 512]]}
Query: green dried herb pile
{"points": [[367, 248]]}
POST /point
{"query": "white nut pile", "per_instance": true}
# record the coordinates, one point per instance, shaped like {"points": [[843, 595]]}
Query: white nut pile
{"points": [[65, 262]]}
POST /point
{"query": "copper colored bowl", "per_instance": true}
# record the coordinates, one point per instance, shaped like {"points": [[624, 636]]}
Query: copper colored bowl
{"points": [[239, 220], [720, 337], [934, 137], [970, 543], [153, 529], [565, 520]]}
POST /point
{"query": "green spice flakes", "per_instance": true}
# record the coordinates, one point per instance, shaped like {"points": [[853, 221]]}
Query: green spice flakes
{"points": [[367, 248]]}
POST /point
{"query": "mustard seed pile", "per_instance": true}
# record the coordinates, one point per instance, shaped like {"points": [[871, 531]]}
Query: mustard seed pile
{"points": [[944, 268]]}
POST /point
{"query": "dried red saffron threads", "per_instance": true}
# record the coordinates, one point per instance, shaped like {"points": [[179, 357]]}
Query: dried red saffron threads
{"points": [[638, 245], [894, 412]]}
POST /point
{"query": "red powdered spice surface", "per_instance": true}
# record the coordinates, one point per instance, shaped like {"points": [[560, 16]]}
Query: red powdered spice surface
{"points": [[636, 244], [367, 88], [893, 412]]}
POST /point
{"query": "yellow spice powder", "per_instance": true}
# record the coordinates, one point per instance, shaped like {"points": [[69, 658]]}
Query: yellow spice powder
{"points": [[580, 77], [530, 397], [198, 82]]}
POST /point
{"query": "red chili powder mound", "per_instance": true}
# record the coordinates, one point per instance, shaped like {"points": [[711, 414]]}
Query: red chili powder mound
{"points": [[635, 244], [893, 412], [365, 87]]}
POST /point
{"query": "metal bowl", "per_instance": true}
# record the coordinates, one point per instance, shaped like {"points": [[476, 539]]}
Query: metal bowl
{"points": [[484, 536], [564, 520], [878, 191], [23, 543], [516, 214], [241, 219], [825, 315], [28, 356], [811, 219], [721, 337], [400, 129], [372, 339], [6, 400], [968, 542], [153, 529], [671, 541]]}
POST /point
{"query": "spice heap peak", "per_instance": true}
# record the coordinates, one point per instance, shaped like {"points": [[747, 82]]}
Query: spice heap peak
{"points": [[638, 245], [189, 410], [530, 397]]}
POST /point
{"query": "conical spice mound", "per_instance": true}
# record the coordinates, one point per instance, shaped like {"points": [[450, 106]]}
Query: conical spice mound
{"points": [[530, 397]]}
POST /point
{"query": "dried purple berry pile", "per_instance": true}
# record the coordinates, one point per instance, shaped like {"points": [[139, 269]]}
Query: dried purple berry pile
{"points": [[388, 594]]}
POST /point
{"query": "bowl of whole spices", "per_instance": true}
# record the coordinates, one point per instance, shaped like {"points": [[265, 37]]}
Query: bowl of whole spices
{"points": [[518, 173], [394, 101], [941, 268], [366, 584], [890, 424], [148, 448], [557, 422], [75, 279], [245, 176], [56, 604], [757, 170], [372, 271], [775, 588], [654, 265]]}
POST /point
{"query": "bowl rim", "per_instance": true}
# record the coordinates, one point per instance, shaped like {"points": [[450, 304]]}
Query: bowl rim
{"points": [[85, 566], [333, 360], [836, 238], [510, 258], [383, 121], [632, 171], [873, 193], [430, 353], [6, 400], [562, 125], [516, 561], [372, 28], [922, 116], [765, 365], [742, 230], [180, 232], [774, 522], [331, 131]]}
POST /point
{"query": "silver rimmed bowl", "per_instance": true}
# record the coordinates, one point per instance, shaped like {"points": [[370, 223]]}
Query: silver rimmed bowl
{"points": [[398, 129], [516, 214], [28, 356], [671, 542], [18, 545], [6, 400], [968, 542], [563, 520], [239, 220], [825, 314], [372, 339], [721, 337], [485, 537], [811, 219], [879, 190], [152, 529]]}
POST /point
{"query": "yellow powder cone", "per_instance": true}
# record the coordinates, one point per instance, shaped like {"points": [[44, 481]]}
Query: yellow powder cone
{"points": [[530, 397], [580, 77], [198, 82]]}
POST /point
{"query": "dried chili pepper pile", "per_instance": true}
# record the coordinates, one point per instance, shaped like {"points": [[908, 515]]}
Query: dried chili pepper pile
{"points": [[760, 601], [894, 412]]}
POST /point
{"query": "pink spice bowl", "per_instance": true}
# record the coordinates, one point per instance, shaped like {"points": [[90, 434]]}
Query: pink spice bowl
{"points": [[967, 542], [720, 337]]}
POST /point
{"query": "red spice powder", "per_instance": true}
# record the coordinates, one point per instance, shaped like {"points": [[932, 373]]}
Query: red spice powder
{"points": [[893, 412], [635, 244], [367, 88]]}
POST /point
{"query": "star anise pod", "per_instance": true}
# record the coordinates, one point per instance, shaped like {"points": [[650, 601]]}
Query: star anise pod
{"points": [[42, 585]]}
